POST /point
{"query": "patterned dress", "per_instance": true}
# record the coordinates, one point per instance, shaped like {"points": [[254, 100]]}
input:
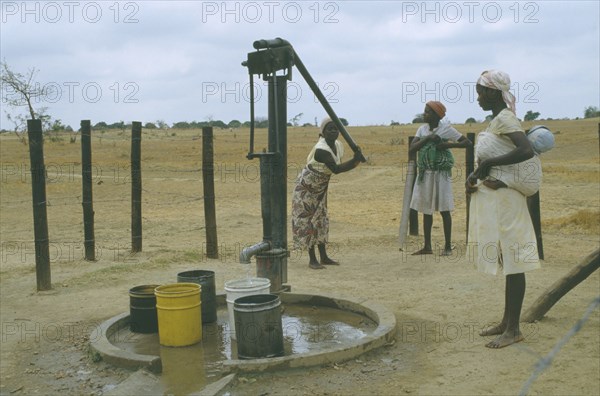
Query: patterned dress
{"points": [[310, 221]]}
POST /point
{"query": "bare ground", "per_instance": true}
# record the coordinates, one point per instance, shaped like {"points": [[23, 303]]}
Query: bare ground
{"points": [[440, 303]]}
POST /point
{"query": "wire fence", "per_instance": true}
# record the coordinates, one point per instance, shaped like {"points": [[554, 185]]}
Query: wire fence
{"points": [[63, 180], [546, 361], [71, 171]]}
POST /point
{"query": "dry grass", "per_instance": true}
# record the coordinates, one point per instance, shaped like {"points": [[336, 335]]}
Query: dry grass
{"points": [[172, 180], [586, 221]]}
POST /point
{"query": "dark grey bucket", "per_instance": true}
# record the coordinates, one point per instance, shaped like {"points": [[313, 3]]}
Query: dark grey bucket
{"points": [[208, 294], [258, 326], [142, 309]]}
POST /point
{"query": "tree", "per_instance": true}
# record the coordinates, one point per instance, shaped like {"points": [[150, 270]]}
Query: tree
{"points": [[295, 120], [161, 124], [57, 126], [150, 125], [20, 90], [418, 119], [181, 125], [591, 112], [344, 122], [394, 123], [261, 122], [530, 115], [234, 124], [218, 124], [199, 124], [471, 120], [118, 125]]}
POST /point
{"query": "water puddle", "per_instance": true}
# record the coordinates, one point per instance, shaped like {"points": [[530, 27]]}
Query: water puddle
{"points": [[188, 369]]}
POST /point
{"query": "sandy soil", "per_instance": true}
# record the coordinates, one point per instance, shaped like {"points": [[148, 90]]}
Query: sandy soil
{"points": [[440, 303]]}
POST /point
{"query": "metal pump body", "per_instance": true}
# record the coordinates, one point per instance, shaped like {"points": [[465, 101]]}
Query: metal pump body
{"points": [[270, 58]]}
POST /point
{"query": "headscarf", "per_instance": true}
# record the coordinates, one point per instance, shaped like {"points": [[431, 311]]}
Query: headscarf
{"points": [[438, 107], [324, 123], [499, 80]]}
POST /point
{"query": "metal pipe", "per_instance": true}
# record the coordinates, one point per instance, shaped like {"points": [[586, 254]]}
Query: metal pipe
{"points": [[253, 250], [265, 195], [278, 144], [251, 115], [315, 88], [273, 99], [274, 43]]}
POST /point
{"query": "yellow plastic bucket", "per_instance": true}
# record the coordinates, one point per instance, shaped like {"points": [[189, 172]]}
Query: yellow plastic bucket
{"points": [[179, 314]]}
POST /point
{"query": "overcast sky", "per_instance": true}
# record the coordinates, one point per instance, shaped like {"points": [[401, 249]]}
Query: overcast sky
{"points": [[376, 61]]}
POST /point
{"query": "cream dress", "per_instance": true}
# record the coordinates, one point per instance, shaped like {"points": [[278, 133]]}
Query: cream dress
{"points": [[501, 233]]}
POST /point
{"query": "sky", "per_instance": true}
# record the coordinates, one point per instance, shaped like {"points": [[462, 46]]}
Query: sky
{"points": [[375, 61]]}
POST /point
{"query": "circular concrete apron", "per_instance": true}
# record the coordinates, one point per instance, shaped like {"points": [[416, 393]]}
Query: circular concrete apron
{"points": [[382, 334]]}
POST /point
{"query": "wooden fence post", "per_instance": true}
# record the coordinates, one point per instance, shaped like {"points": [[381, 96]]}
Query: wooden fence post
{"points": [[136, 187], [38, 192], [87, 196], [208, 182], [533, 204], [413, 217], [561, 287], [469, 168]]}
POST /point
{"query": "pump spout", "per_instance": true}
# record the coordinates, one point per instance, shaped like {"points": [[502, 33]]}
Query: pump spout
{"points": [[250, 251]]}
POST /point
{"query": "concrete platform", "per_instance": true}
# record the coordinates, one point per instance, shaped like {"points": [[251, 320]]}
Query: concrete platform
{"points": [[382, 334]]}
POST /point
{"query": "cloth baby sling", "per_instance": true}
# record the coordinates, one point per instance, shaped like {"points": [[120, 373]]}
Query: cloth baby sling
{"points": [[432, 158], [525, 176]]}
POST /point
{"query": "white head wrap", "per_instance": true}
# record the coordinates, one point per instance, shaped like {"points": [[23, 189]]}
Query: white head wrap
{"points": [[499, 80], [324, 123]]}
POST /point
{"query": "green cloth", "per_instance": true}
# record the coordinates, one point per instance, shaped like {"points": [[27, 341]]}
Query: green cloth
{"points": [[431, 158]]}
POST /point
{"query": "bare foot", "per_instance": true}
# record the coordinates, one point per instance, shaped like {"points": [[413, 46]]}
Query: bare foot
{"points": [[493, 330], [423, 251], [315, 265], [446, 252], [328, 261], [505, 339]]}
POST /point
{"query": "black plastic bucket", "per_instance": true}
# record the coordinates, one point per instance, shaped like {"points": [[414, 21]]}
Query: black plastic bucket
{"points": [[208, 293], [258, 326], [142, 309]]}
